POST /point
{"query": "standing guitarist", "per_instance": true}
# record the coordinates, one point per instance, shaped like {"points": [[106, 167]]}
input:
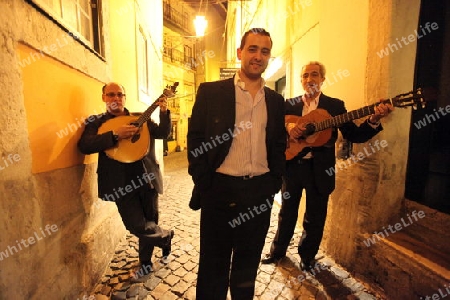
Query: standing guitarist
{"points": [[134, 186], [306, 171]]}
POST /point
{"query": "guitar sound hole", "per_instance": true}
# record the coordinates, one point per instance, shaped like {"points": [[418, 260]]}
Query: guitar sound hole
{"points": [[310, 129], [135, 137]]}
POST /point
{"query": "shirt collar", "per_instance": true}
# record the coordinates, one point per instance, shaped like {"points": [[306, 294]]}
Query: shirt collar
{"points": [[315, 101]]}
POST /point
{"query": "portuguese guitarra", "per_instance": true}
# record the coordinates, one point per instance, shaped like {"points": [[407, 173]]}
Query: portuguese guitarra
{"points": [[136, 147]]}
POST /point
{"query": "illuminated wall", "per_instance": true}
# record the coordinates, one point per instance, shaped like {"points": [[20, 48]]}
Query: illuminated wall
{"points": [[56, 112], [51, 82]]}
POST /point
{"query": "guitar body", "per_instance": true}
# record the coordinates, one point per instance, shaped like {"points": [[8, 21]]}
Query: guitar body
{"points": [[317, 139], [126, 150]]}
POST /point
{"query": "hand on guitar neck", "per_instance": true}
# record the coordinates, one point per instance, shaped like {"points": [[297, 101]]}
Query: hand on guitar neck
{"points": [[381, 111]]}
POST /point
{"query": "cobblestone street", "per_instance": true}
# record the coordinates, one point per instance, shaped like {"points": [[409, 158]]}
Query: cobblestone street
{"points": [[177, 279]]}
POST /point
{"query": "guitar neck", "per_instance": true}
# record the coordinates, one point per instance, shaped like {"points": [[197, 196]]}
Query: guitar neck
{"points": [[148, 112], [337, 121]]}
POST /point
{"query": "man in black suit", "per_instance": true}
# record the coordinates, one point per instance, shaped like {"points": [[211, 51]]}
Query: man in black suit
{"points": [[236, 144], [307, 171], [134, 187]]}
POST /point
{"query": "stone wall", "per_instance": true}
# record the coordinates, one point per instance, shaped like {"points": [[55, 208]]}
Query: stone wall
{"points": [[57, 236], [370, 193]]}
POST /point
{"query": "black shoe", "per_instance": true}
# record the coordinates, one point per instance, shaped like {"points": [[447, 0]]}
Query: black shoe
{"points": [[312, 266], [270, 259], [306, 267], [168, 248]]}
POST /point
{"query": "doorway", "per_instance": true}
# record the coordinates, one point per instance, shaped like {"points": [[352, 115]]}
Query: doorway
{"points": [[428, 167]]}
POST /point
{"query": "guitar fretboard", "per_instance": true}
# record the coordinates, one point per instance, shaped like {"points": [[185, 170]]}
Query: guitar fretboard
{"points": [[337, 121], [148, 112]]}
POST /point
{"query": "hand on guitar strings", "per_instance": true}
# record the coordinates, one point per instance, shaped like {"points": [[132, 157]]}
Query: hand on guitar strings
{"points": [[381, 111], [125, 131], [295, 131]]}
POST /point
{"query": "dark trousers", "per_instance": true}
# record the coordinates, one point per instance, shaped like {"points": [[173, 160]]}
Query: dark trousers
{"points": [[139, 212], [299, 177], [235, 218]]}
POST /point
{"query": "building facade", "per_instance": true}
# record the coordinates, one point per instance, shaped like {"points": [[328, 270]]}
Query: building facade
{"points": [[58, 237]]}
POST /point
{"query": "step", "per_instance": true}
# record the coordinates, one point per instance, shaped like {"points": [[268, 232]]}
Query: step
{"points": [[412, 263]]}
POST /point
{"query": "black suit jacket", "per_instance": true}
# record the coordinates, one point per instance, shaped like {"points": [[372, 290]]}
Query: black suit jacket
{"points": [[113, 174], [324, 157], [214, 114]]}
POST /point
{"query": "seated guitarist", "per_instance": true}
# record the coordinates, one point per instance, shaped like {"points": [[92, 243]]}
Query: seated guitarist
{"points": [[306, 171], [134, 186]]}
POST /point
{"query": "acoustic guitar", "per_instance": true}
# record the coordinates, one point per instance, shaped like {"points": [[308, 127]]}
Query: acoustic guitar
{"points": [[136, 147], [319, 123]]}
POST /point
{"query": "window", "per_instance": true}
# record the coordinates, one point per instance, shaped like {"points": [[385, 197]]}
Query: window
{"points": [[79, 17], [142, 61], [187, 54]]}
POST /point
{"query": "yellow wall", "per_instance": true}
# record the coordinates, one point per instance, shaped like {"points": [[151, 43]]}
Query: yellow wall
{"points": [[126, 18], [345, 52], [57, 101]]}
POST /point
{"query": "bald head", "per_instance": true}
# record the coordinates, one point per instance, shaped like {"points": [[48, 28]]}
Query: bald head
{"points": [[113, 94]]}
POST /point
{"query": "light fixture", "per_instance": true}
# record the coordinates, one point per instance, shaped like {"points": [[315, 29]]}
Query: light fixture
{"points": [[275, 64], [200, 24]]}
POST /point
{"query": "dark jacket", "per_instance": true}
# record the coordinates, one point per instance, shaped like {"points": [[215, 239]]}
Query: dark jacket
{"points": [[214, 114], [324, 157], [112, 174]]}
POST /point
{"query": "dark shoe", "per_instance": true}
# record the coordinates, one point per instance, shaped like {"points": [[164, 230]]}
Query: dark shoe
{"points": [[269, 259], [313, 266], [306, 267], [167, 249], [143, 273]]}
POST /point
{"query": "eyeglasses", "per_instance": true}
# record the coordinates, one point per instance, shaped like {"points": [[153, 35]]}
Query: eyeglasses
{"points": [[112, 95]]}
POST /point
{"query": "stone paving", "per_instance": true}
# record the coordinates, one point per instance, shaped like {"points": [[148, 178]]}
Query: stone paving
{"points": [[177, 279]]}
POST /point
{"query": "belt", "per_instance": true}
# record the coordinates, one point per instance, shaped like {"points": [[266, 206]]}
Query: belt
{"points": [[303, 161], [244, 177]]}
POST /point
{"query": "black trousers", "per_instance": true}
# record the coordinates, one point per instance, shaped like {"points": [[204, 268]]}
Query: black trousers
{"points": [[299, 177], [139, 212], [235, 218]]}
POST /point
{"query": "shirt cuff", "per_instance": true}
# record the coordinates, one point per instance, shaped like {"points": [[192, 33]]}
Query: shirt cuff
{"points": [[373, 125]]}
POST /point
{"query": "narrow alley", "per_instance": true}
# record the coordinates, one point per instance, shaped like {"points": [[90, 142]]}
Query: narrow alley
{"points": [[177, 279]]}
